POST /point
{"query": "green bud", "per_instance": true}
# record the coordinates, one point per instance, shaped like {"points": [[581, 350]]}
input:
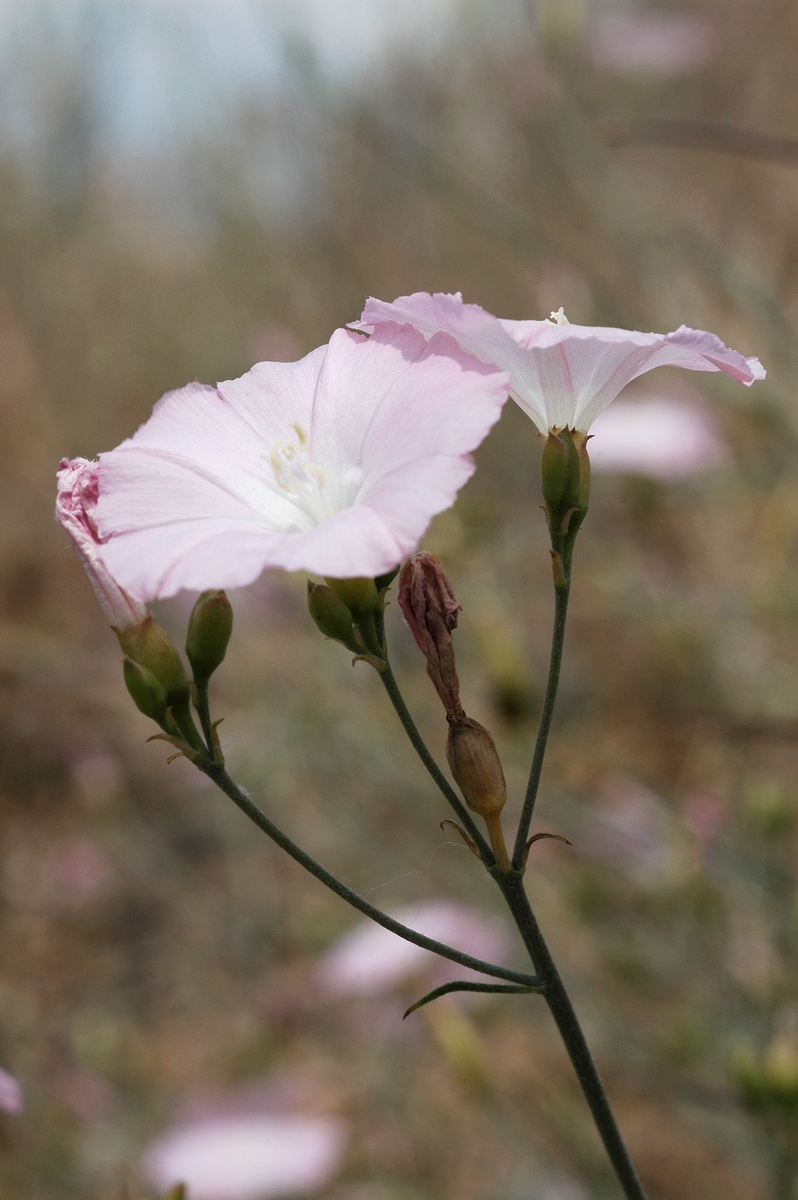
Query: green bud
{"points": [[148, 694], [152, 648], [332, 616], [209, 630], [359, 595]]}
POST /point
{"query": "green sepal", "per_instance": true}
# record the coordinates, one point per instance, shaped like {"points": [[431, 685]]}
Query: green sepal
{"points": [[360, 595]]}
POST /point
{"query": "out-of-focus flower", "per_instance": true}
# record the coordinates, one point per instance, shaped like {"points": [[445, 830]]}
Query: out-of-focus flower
{"points": [[79, 869], [76, 513], [563, 375], [369, 960], [334, 464], [661, 439], [248, 1157], [11, 1098], [660, 44]]}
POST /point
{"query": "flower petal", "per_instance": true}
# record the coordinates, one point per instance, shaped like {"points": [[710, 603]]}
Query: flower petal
{"points": [[562, 375], [334, 464]]}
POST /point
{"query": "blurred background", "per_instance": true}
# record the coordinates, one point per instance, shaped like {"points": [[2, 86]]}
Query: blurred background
{"points": [[188, 188]]}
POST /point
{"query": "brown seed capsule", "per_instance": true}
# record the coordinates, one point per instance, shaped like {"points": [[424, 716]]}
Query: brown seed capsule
{"points": [[474, 762]]}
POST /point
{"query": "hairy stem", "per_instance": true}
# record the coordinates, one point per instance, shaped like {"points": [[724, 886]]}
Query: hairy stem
{"points": [[547, 712], [565, 1018], [403, 713], [218, 774]]}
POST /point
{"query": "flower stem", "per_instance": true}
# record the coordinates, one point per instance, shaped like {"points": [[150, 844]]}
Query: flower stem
{"points": [[562, 1010], [561, 593], [217, 772], [403, 713]]}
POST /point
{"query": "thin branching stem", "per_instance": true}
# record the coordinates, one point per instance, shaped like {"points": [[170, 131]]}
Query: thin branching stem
{"points": [[218, 774], [544, 725], [410, 728]]}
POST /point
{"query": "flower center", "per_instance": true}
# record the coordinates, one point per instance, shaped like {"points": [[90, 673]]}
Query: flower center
{"points": [[557, 318], [293, 470]]}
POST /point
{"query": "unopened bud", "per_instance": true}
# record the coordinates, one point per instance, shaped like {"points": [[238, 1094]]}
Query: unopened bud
{"points": [[332, 616], [209, 630], [474, 762], [430, 609], [148, 694], [151, 647], [358, 595]]}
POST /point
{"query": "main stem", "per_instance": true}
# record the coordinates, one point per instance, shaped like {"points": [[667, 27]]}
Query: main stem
{"points": [[559, 1002], [561, 594]]}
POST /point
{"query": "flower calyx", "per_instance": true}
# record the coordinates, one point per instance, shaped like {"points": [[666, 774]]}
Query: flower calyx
{"points": [[565, 477]]}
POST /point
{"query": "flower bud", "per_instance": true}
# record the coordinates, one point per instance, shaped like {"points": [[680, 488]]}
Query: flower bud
{"points": [[209, 630], [474, 761], [359, 595], [150, 647], [430, 609], [332, 616], [148, 694]]}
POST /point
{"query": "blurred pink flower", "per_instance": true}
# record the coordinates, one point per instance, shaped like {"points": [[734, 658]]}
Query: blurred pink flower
{"points": [[248, 1157], [79, 868], [563, 375], [334, 464], [650, 43], [663, 439], [369, 960], [76, 513], [11, 1098]]}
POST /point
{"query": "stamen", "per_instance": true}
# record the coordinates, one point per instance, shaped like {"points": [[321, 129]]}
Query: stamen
{"points": [[293, 472], [557, 318]]}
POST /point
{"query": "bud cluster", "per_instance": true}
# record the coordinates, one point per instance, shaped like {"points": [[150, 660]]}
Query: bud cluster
{"points": [[351, 611]]}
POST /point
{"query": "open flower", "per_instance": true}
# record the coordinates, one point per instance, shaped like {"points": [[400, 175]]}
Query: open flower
{"points": [[76, 513], [563, 375], [248, 1156], [334, 464]]}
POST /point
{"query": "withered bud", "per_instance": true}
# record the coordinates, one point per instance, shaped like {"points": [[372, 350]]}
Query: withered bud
{"points": [[474, 762], [430, 609]]}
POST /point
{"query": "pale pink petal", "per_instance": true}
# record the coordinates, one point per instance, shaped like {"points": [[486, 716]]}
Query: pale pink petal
{"points": [[334, 464], [662, 439], [12, 1100], [76, 513], [370, 960], [562, 375], [248, 1157]]}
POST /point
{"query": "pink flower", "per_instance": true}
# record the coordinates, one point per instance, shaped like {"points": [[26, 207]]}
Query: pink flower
{"points": [[76, 513], [248, 1157], [661, 439], [12, 1100], [661, 44], [334, 464], [370, 960], [563, 375]]}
